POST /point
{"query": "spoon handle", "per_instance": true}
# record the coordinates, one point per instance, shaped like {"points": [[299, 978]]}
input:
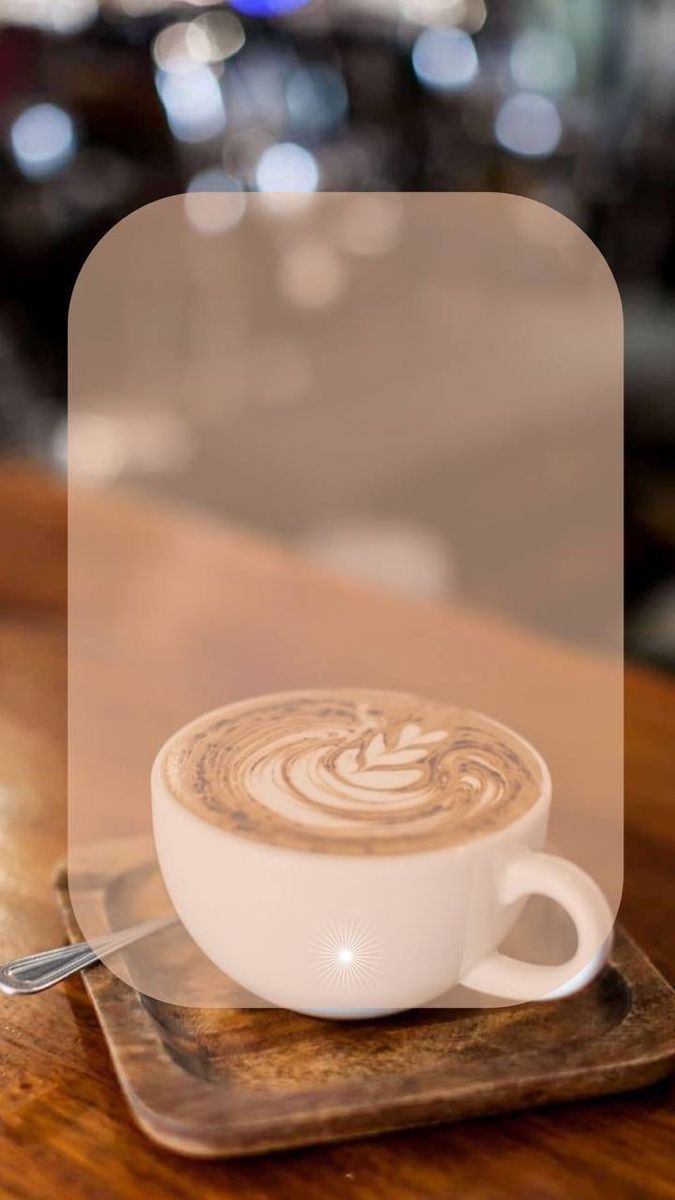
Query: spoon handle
{"points": [[36, 972]]}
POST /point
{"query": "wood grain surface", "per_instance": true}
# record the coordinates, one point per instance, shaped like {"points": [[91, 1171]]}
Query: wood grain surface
{"points": [[232, 1081], [64, 1126]]}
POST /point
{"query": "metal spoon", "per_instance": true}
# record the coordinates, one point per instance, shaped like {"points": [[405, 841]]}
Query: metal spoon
{"points": [[36, 972]]}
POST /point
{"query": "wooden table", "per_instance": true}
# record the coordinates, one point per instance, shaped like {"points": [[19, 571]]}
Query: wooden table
{"points": [[64, 1128]]}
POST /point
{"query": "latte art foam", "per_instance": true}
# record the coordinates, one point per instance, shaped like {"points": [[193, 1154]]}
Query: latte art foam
{"points": [[351, 772]]}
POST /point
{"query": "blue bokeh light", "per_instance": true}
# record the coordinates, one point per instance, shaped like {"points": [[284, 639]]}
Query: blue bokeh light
{"points": [[267, 8], [43, 140], [193, 103], [444, 59], [529, 125], [287, 167]]}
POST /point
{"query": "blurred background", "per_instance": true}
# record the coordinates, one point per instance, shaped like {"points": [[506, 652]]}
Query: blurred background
{"points": [[107, 105]]}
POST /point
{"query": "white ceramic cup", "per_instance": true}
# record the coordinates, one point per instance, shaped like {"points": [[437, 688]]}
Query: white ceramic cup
{"points": [[347, 936]]}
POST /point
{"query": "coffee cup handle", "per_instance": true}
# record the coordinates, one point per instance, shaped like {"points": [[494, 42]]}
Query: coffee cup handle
{"points": [[547, 875]]}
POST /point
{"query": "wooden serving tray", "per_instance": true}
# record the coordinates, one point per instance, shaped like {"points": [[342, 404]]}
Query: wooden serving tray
{"points": [[225, 1082]]}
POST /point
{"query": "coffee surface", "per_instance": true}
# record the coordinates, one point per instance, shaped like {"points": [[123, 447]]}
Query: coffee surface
{"points": [[351, 772]]}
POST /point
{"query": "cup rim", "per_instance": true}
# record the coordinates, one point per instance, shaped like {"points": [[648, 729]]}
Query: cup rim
{"points": [[480, 839]]}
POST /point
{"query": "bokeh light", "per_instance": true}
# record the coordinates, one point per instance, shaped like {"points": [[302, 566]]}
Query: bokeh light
{"points": [[193, 103], [186, 45], [101, 446], [475, 15], [95, 446], [444, 58], [287, 167], [267, 8], [54, 16], [529, 125], [434, 12], [312, 275], [170, 50], [316, 97], [400, 555], [43, 140], [368, 224], [543, 61], [214, 37], [140, 8], [215, 202]]}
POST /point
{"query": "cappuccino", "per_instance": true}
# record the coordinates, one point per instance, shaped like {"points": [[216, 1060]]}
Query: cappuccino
{"points": [[353, 772]]}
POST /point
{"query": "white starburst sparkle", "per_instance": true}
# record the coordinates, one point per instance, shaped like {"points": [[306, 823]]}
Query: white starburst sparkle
{"points": [[346, 955]]}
